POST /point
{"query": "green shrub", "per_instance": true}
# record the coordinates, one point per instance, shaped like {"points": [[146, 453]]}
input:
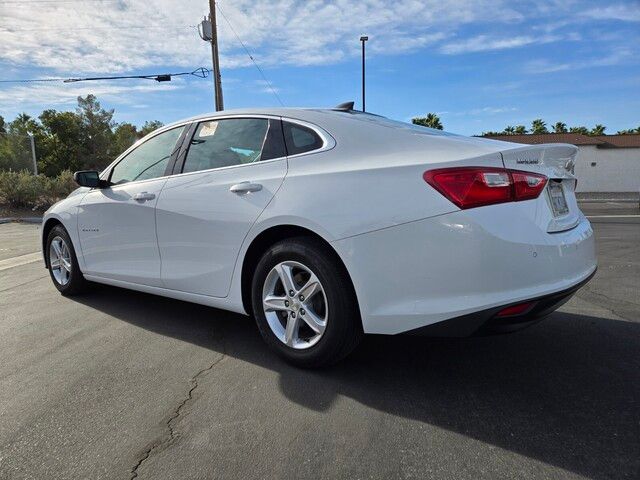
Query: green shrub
{"points": [[23, 189]]}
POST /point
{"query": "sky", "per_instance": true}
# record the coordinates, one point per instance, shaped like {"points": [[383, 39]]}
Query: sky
{"points": [[480, 65]]}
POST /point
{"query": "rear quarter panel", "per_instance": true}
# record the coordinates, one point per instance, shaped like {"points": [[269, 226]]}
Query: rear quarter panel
{"points": [[372, 178]]}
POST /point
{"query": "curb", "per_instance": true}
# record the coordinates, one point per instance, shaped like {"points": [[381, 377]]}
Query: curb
{"points": [[34, 220], [606, 200]]}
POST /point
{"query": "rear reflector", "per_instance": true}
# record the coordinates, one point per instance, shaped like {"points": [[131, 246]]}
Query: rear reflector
{"points": [[518, 309], [470, 187]]}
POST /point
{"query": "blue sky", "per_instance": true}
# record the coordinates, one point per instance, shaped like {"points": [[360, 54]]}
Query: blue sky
{"points": [[481, 65]]}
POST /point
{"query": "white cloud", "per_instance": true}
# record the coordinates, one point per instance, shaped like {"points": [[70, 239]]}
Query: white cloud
{"points": [[617, 57], [123, 35], [481, 111], [623, 12], [56, 95], [482, 43]]}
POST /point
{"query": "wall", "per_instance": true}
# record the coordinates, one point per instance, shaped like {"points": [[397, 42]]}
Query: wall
{"points": [[616, 169]]}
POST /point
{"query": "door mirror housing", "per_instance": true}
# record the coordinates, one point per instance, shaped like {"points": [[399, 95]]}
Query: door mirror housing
{"points": [[88, 178]]}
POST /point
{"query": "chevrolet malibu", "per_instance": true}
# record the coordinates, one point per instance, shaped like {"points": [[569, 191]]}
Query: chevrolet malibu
{"points": [[327, 224]]}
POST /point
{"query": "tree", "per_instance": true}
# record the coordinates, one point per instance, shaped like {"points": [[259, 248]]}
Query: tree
{"points": [[16, 151], [560, 127], [581, 130], [148, 127], [97, 135], [509, 130], [431, 120], [520, 130], [124, 136], [629, 131], [538, 126], [61, 145], [3, 125], [598, 130]]}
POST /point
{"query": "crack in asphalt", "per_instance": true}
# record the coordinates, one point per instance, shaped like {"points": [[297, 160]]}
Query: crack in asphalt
{"points": [[172, 436], [605, 301]]}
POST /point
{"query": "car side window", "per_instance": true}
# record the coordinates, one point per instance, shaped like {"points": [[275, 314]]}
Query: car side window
{"points": [[300, 139], [149, 160], [226, 142]]}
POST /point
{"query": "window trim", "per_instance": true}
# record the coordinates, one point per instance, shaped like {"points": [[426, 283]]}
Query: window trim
{"points": [[191, 124]]}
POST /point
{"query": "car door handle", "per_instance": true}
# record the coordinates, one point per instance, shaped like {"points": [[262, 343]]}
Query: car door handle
{"points": [[245, 187], [144, 196]]}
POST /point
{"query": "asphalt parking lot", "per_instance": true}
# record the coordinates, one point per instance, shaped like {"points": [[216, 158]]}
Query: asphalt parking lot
{"points": [[117, 384]]}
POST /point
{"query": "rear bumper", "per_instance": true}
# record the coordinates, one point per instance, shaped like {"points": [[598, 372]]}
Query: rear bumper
{"points": [[443, 268], [487, 322]]}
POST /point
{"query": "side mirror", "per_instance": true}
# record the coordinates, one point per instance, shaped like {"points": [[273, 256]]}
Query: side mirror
{"points": [[87, 178]]}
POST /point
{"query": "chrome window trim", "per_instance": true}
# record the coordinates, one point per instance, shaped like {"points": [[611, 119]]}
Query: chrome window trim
{"points": [[328, 142]]}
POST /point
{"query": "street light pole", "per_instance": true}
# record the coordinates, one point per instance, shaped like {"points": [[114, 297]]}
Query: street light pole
{"points": [[33, 153], [363, 39]]}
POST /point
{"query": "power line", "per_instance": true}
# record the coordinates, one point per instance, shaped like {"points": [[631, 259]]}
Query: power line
{"points": [[164, 77], [27, 2], [114, 27], [250, 56]]}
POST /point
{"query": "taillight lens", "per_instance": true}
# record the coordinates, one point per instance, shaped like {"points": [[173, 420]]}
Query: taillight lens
{"points": [[470, 187]]}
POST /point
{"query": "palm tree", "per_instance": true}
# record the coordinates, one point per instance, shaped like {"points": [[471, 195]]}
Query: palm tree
{"points": [[582, 130], [539, 126], [598, 130], [431, 120], [629, 131], [520, 130], [560, 127], [509, 130]]}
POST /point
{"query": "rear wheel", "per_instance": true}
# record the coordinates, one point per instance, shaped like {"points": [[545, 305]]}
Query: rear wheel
{"points": [[304, 303], [63, 263]]}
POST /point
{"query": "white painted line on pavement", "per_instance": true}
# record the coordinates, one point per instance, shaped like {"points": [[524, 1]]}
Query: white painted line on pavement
{"points": [[21, 260]]}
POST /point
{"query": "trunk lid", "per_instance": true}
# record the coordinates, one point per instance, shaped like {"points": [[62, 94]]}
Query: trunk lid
{"points": [[557, 206]]}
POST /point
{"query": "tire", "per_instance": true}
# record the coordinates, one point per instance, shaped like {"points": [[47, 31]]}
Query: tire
{"points": [[66, 275], [328, 321]]}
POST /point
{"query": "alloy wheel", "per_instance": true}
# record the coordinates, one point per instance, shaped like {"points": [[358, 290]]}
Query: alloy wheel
{"points": [[60, 260], [295, 305]]}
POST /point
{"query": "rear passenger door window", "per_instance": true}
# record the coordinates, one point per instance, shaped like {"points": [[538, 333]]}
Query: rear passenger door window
{"points": [[233, 141], [300, 139]]}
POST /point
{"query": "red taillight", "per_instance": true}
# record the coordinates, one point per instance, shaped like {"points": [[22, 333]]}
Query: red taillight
{"points": [[518, 309], [470, 187]]}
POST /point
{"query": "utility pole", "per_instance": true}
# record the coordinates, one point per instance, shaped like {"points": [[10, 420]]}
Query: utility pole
{"points": [[363, 39], [217, 79]]}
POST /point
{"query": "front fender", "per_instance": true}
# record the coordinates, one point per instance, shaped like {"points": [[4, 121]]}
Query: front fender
{"points": [[65, 212]]}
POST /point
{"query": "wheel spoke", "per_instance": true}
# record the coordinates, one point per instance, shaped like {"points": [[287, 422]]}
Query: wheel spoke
{"points": [[66, 264], [310, 288], [286, 277], [291, 332], [314, 321], [56, 248], [55, 263], [273, 303]]}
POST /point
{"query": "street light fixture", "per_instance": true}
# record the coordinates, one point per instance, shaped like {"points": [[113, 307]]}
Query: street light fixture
{"points": [[363, 39]]}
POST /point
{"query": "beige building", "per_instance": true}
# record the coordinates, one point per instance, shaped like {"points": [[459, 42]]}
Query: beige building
{"points": [[605, 163]]}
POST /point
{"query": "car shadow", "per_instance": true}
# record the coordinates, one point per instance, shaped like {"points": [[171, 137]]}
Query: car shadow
{"points": [[564, 392]]}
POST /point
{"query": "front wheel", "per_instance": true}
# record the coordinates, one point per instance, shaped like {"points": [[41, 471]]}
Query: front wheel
{"points": [[304, 303], [63, 263]]}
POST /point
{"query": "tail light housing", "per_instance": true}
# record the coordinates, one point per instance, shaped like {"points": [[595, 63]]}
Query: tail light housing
{"points": [[470, 187]]}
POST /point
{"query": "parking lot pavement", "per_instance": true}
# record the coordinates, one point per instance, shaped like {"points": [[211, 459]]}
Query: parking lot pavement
{"points": [[117, 384], [17, 239]]}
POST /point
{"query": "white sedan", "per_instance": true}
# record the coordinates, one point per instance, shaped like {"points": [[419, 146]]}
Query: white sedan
{"points": [[326, 224]]}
